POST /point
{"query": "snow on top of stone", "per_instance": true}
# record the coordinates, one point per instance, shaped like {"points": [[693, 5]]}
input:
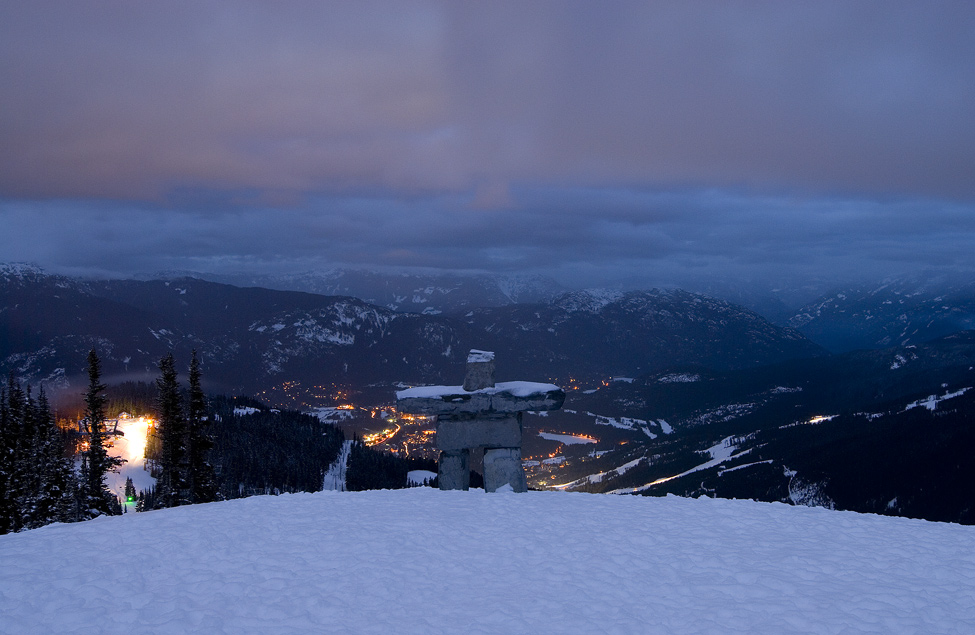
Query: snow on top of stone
{"points": [[513, 388], [476, 356]]}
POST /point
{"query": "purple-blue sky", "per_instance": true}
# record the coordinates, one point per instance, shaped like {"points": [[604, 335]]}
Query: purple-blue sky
{"points": [[651, 142]]}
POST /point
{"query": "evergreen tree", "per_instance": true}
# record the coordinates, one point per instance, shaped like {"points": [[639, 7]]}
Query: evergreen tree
{"points": [[146, 500], [129, 490], [202, 482], [99, 500], [172, 430], [53, 469], [8, 503], [36, 479], [269, 451], [17, 466], [27, 461]]}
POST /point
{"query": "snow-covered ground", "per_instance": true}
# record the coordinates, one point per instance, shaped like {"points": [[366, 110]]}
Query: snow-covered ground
{"points": [[335, 475], [425, 561], [567, 439], [931, 401]]}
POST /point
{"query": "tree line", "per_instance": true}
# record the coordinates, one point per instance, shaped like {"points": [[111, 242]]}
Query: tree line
{"points": [[48, 474], [183, 442], [260, 450], [39, 484], [202, 449]]}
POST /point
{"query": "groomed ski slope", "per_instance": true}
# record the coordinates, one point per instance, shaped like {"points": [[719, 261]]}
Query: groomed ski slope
{"points": [[425, 561]]}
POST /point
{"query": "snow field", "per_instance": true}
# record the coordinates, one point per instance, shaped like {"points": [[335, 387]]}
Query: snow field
{"points": [[425, 561], [566, 439]]}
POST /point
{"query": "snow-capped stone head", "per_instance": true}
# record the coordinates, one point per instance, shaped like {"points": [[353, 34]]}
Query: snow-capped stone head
{"points": [[480, 370]]}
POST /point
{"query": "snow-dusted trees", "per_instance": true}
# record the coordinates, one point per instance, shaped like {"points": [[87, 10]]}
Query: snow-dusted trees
{"points": [[185, 473], [96, 462], [265, 451], [56, 482], [201, 480], [37, 481], [172, 431], [10, 486]]}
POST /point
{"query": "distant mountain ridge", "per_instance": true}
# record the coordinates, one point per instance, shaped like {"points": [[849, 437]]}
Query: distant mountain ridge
{"points": [[897, 312], [880, 431], [432, 293], [250, 337], [636, 332]]}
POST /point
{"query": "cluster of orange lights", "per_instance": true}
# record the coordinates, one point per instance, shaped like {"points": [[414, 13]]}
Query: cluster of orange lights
{"points": [[378, 437]]}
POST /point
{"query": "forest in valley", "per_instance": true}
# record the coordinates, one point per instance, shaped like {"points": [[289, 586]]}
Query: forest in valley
{"points": [[202, 448]]}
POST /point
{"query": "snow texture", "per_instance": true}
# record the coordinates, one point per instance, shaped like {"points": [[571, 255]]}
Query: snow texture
{"points": [[567, 439], [629, 423], [335, 475], [513, 388], [679, 378], [598, 478], [331, 414], [931, 401], [476, 356], [719, 453], [425, 561]]}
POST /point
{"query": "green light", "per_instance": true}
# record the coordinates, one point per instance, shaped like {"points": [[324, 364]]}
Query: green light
{"points": [[130, 499]]}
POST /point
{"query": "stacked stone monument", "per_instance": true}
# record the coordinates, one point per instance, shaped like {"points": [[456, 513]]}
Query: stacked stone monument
{"points": [[480, 414]]}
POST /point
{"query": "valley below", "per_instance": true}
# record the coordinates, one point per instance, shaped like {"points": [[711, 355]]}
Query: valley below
{"points": [[668, 392]]}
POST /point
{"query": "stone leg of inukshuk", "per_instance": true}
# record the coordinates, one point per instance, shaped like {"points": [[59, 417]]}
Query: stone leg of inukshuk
{"points": [[454, 469], [480, 414], [502, 469]]}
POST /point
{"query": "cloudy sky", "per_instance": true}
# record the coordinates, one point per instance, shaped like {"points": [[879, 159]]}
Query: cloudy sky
{"points": [[645, 142]]}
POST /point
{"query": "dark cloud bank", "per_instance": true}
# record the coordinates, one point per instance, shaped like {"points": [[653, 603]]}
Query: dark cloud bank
{"points": [[643, 143]]}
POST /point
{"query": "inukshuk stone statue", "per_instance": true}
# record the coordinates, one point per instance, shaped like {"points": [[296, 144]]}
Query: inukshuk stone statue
{"points": [[480, 414]]}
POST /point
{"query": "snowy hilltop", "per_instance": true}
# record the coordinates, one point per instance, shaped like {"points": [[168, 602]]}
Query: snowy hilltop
{"points": [[425, 561]]}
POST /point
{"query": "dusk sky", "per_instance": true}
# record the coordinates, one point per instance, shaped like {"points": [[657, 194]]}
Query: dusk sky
{"points": [[648, 143]]}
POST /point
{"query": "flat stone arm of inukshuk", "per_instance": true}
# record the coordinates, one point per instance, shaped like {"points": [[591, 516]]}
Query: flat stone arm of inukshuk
{"points": [[506, 397]]}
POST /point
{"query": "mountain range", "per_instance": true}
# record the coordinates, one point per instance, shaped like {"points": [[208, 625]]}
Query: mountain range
{"points": [[881, 431], [907, 309], [680, 392], [429, 293], [250, 337], [901, 311]]}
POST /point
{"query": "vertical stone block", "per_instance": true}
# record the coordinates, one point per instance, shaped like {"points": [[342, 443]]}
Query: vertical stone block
{"points": [[502, 466], [455, 470], [480, 370]]}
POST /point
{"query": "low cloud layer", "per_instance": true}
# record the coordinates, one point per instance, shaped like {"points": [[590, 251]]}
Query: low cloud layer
{"points": [[647, 142], [580, 237]]}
